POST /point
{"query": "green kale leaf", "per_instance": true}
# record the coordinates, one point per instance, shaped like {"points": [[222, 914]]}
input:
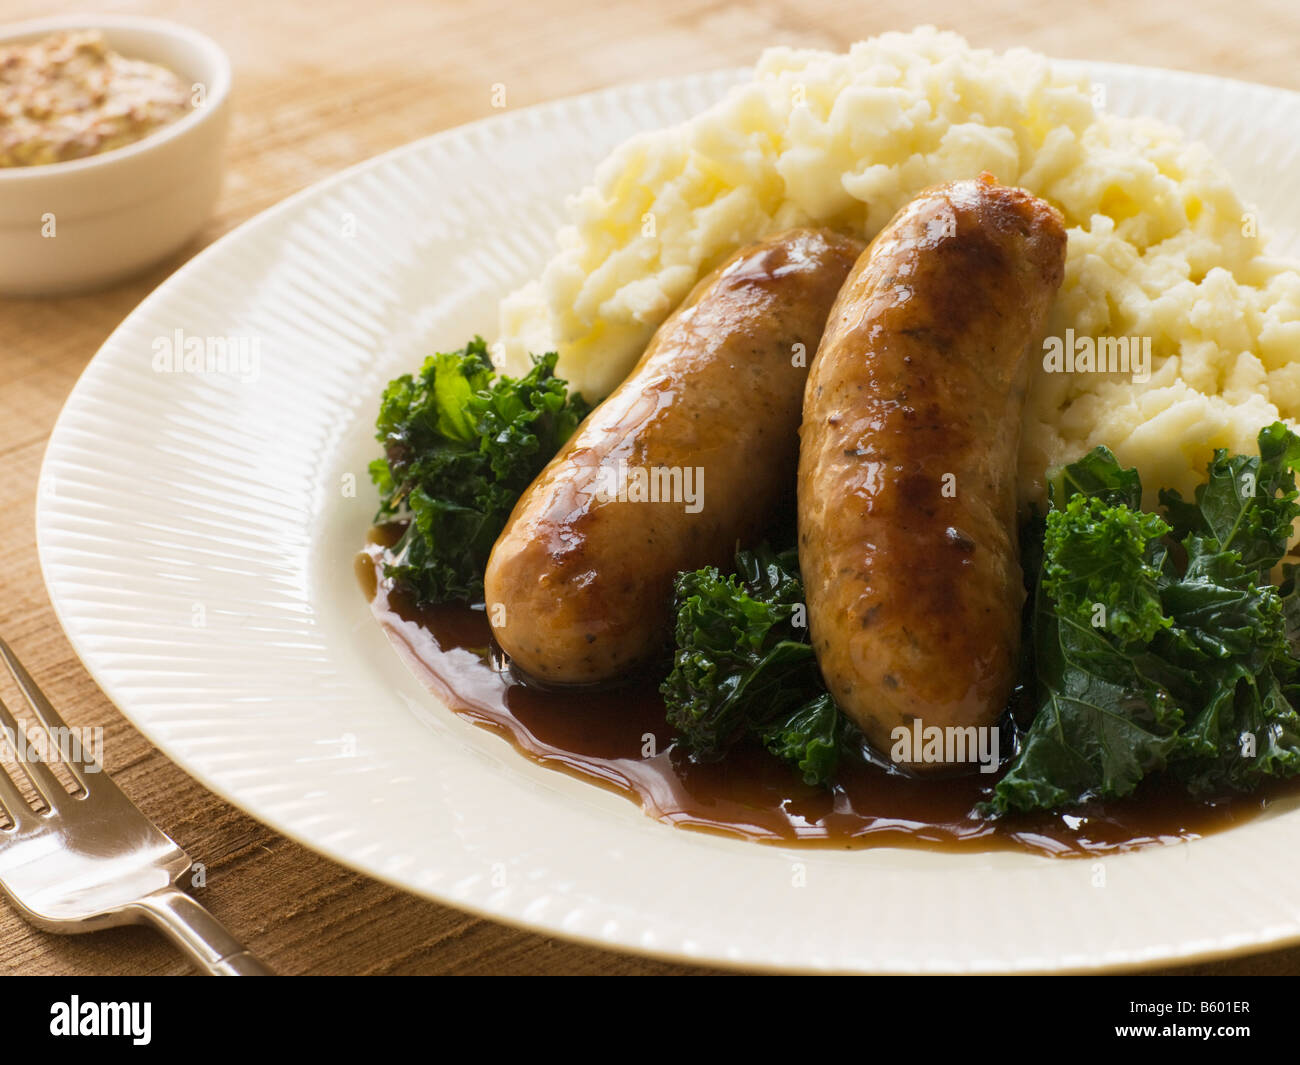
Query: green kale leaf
{"points": [[460, 446], [743, 666], [1146, 663]]}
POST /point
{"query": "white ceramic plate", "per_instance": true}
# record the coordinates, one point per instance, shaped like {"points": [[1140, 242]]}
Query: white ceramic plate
{"points": [[196, 534]]}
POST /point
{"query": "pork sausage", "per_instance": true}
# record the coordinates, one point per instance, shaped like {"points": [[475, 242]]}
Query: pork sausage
{"points": [[690, 454], [907, 464]]}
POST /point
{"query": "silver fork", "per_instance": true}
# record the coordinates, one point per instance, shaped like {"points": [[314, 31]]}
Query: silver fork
{"points": [[92, 860]]}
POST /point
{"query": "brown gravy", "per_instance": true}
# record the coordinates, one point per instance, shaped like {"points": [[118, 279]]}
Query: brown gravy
{"points": [[620, 740]]}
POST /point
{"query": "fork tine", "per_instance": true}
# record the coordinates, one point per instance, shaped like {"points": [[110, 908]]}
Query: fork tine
{"points": [[41, 707], [41, 776], [12, 801], [39, 704]]}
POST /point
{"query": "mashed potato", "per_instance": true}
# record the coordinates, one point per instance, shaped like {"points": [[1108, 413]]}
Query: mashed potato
{"points": [[1161, 249]]}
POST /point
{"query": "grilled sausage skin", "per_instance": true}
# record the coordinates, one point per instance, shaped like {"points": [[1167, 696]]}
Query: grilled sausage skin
{"points": [[907, 467], [579, 585]]}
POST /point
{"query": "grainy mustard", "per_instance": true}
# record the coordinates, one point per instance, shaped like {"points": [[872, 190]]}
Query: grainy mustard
{"points": [[68, 96]]}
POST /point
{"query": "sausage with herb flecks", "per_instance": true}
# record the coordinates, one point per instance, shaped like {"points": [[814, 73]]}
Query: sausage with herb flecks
{"points": [[579, 585], [907, 464]]}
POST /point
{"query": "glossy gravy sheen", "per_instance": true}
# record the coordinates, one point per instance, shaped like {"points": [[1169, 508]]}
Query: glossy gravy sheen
{"points": [[606, 737]]}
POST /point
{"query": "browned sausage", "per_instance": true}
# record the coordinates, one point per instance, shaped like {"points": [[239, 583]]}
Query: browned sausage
{"points": [[579, 585], [907, 465]]}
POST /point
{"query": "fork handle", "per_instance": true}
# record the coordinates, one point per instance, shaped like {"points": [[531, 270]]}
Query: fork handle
{"points": [[198, 933]]}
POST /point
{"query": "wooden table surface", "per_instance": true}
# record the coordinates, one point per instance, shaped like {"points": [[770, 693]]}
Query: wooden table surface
{"points": [[321, 84]]}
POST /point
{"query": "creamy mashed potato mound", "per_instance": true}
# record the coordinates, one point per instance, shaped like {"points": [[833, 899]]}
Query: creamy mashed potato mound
{"points": [[1160, 245]]}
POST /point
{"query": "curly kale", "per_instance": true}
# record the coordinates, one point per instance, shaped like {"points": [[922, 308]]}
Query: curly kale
{"points": [[460, 446], [743, 666], [1146, 663]]}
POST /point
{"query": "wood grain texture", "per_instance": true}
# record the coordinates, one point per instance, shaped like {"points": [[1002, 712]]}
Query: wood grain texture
{"points": [[322, 84]]}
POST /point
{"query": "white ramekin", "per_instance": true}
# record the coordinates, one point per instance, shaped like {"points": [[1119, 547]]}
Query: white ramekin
{"points": [[88, 222]]}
